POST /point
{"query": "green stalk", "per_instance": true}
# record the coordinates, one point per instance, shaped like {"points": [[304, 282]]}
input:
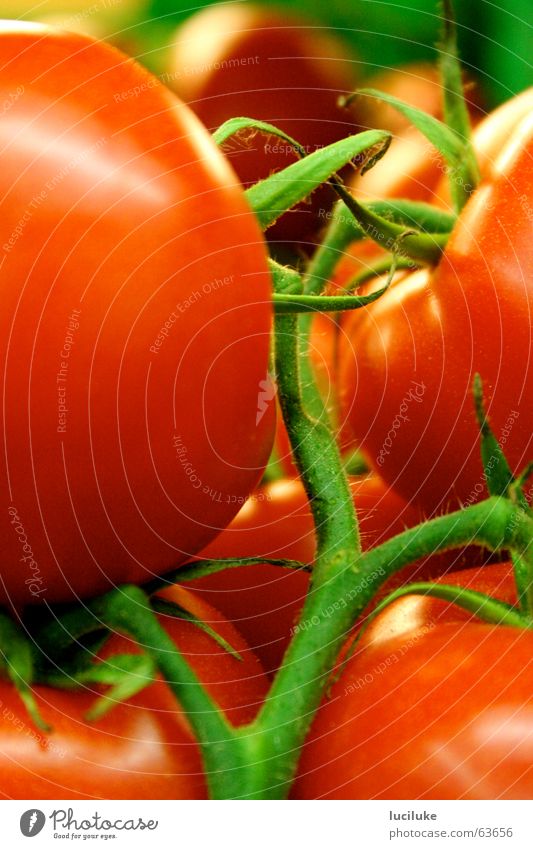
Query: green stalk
{"points": [[425, 248], [127, 610], [281, 727]]}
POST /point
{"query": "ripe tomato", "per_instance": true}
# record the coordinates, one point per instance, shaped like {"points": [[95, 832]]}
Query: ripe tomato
{"points": [[249, 60], [406, 374], [433, 705], [134, 328], [141, 749], [264, 601]]}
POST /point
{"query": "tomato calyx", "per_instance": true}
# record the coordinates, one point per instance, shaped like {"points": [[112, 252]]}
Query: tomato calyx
{"points": [[454, 104], [246, 126], [18, 663], [451, 137], [124, 674], [502, 482], [482, 606], [457, 152], [272, 197]]}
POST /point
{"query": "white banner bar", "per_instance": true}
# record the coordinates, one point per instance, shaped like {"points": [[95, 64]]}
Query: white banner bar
{"points": [[249, 825]]}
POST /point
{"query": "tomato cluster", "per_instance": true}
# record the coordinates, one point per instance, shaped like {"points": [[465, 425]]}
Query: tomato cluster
{"points": [[139, 415]]}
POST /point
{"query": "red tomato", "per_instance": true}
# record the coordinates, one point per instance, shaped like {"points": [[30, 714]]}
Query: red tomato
{"points": [[252, 61], [141, 749], [134, 327], [406, 373], [264, 601], [434, 705]]}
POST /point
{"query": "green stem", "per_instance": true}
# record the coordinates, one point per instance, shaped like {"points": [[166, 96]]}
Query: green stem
{"points": [[274, 739], [496, 524], [127, 610], [377, 269], [465, 178], [203, 568], [300, 683], [343, 585], [422, 247], [311, 304]]}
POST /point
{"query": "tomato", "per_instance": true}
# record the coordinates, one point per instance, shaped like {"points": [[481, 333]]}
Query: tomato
{"points": [[433, 705], [406, 372], [134, 328], [264, 601], [252, 61], [141, 749]]}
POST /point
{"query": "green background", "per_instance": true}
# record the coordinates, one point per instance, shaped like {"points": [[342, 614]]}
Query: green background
{"points": [[496, 41]]}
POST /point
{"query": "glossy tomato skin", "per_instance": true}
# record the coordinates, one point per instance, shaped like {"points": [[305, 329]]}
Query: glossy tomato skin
{"points": [[134, 328], [248, 60], [141, 749], [434, 705], [264, 601], [419, 347]]}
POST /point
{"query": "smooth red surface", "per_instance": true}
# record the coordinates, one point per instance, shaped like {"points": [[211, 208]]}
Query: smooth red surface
{"points": [[134, 327]]}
